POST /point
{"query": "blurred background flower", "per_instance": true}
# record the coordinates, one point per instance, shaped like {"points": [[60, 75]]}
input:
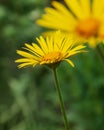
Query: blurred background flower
{"points": [[83, 18], [27, 97]]}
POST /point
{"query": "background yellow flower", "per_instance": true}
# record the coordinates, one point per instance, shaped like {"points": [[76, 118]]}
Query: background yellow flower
{"points": [[82, 17]]}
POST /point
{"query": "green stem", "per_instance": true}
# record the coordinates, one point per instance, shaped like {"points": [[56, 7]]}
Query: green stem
{"points": [[60, 98]]}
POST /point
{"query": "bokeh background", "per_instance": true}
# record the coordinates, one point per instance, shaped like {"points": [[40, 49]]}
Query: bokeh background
{"points": [[28, 99]]}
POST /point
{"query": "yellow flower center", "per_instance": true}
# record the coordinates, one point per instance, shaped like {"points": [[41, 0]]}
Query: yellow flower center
{"points": [[52, 57], [88, 27]]}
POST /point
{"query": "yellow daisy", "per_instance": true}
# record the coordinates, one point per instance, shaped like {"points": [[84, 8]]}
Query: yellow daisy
{"points": [[49, 51], [82, 17]]}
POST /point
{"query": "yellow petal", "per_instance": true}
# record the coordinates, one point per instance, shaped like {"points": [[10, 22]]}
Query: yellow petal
{"points": [[25, 65], [65, 20], [97, 8], [70, 62], [42, 44], [38, 50], [74, 5], [25, 54], [86, 6], [63, 10]]}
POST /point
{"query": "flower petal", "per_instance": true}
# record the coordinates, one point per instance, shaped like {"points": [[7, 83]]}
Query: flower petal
{"points": [[70, 62]]}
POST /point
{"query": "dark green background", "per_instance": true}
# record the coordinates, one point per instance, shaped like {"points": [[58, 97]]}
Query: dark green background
{"points": [[28, 99]]}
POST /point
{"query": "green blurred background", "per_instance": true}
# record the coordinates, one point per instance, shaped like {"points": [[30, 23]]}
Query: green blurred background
{"points": [[28, 99]]}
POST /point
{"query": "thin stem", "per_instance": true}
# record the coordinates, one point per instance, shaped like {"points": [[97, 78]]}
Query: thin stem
{"points": [[60, 98], [100, 52]]}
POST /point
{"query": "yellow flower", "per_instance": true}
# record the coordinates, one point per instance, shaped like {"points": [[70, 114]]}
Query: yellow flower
{"points": [[82, 17], [49, 51]]}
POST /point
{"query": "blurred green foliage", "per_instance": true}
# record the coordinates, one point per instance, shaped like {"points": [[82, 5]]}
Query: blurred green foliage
{"points": [[28, 100]]}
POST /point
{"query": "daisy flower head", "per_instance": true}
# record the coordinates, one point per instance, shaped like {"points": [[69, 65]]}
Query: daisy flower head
{"points": [[49, 51], [84, 18]]}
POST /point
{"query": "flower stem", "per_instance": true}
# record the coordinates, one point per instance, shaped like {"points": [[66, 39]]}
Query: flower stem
{"points": [[60, 98]]}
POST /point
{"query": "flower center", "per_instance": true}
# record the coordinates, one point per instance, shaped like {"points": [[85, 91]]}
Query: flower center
{"points": [[52, 57], [88, 28]]}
